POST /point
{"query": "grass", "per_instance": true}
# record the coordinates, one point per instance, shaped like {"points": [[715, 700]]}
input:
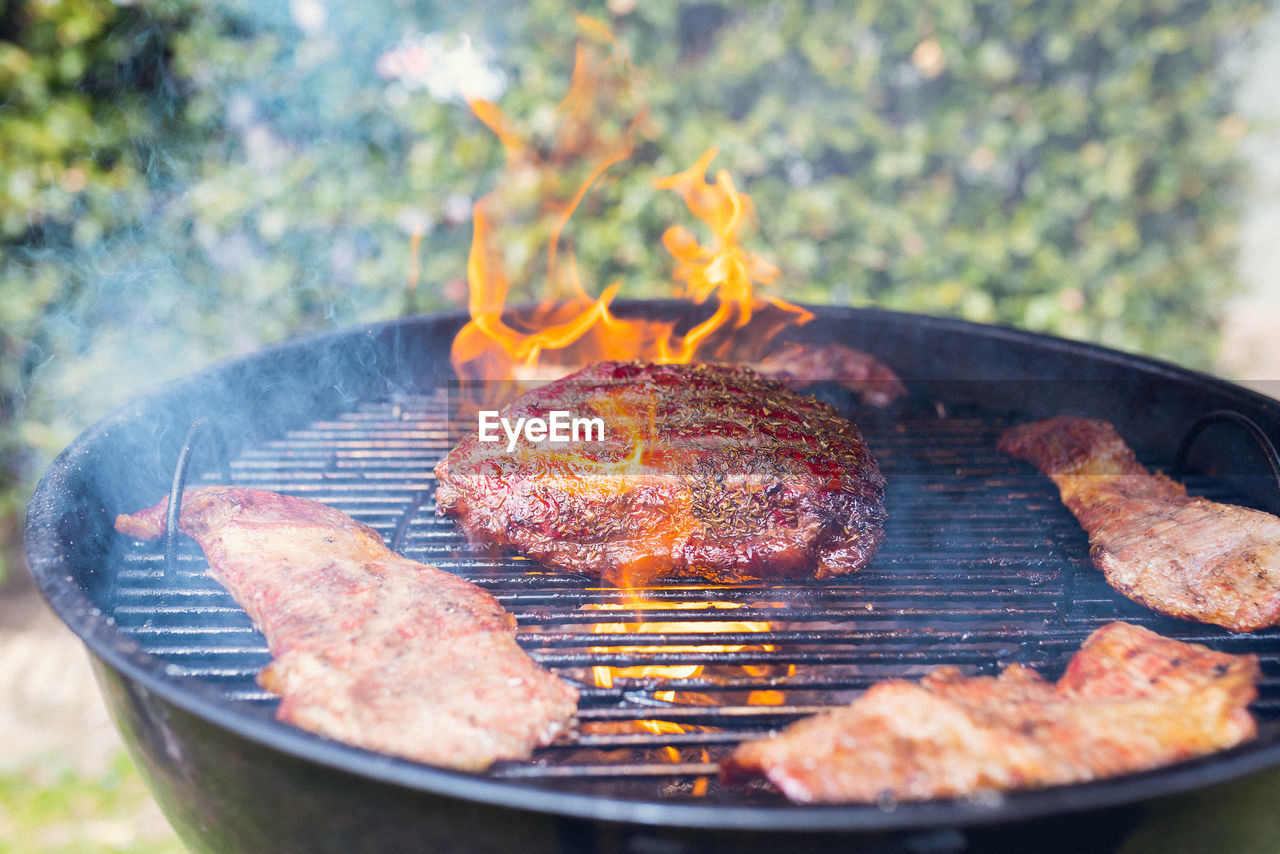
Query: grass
{"points": [[48, 807]]}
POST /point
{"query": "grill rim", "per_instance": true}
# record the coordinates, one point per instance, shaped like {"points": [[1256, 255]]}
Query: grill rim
{"points": [[55, 519]]}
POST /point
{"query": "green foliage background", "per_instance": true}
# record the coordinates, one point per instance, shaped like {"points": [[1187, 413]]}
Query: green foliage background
{"points": [[182, 181]]}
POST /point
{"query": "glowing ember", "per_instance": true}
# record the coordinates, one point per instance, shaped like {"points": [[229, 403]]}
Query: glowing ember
{"points": [[766, 698], [664, 728], [570, 329], [604, 676]]}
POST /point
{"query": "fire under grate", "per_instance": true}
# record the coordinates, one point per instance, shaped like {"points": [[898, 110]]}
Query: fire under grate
{"points": [[982, 567]]}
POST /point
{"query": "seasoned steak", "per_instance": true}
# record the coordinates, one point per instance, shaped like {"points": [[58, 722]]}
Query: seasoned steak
{"points": [[1179, 555], [1130, 700], [705, 471], [369, 647]]}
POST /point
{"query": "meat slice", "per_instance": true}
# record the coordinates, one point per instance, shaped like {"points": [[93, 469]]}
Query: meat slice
{"points": [[798, 364], [368, 647], [1183, 556], [1129, 701], [704, 471], [806, 364]]}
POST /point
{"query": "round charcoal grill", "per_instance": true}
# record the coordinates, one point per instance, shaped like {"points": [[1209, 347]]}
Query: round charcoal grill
{"points": [[982, 567]]}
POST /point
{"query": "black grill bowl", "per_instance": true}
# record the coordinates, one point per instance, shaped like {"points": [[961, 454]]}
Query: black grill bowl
{"points": [[982, 567]]}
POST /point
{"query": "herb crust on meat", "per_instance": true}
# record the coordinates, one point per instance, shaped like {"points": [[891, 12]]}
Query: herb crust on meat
{"points": [[709, 472]]}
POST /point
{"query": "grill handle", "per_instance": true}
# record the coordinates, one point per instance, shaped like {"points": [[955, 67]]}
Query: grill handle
{"points": [[194, 432], [1240, 420]]}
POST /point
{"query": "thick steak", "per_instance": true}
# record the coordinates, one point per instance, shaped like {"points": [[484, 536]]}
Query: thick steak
{"points": [[705, 471]]}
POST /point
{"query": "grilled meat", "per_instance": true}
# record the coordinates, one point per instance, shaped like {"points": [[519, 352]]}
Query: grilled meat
{"points": [[1183, 556], [805, 364], [796, 363], [705, 471], [369, 647], [1130, 700]]}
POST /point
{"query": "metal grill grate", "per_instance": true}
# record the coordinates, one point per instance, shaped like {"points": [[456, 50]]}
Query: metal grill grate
{"points": [[982, 567]]}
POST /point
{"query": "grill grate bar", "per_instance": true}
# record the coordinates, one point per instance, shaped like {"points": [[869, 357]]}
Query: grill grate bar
{"points": [[589, 772], [725, 714], [752, 657], [650, 740], [982, 567]]}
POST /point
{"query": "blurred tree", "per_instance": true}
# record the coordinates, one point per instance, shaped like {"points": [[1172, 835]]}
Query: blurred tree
{"points": [[85, 112], [183, 181]]}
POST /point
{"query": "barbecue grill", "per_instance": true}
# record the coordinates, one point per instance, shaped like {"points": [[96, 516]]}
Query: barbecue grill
{"points": [[982, 567]]}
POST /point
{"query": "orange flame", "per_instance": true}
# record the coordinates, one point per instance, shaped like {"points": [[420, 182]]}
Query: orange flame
{"points": [[570, 329], [604, 676]]}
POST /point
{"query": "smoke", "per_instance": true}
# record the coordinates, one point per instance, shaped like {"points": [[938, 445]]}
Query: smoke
{"points": [[241, 173], [251, 173]]}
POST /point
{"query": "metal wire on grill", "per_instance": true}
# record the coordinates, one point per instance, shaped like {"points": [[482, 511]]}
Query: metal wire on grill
{"points": [[198, 428], [975, 574], [1228, 416]]}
